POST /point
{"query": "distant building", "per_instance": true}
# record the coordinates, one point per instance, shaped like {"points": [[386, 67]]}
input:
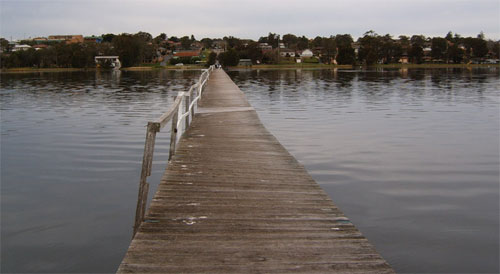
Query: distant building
{"points": [[245, 62], [306, 53], [40, 46], [217, 51], [404, 60], [21, 47], [40, 40], [265, 47], [187, 53], [219, 44], [92, 39], [196, 45], [69, 39], [427, 51], [287, 53]]}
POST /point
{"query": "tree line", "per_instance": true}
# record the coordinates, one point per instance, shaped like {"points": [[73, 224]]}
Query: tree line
{"points": [[133, 49], [371, 48]]}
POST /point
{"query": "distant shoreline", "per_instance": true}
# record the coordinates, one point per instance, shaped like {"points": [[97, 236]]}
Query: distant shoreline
{"points": [[325, 66], [262, 66]]}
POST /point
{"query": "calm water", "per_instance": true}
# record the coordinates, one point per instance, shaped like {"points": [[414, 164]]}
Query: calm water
{"points": [[412, 157]]}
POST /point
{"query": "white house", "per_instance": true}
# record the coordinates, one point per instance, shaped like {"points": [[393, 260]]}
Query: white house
{"points": [[287, 53], [306, 53], [21, 47]]}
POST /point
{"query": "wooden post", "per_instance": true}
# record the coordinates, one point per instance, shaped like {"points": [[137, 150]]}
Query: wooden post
{"points": [[191, 97], [187, 102], [147, 163], [173, 135]]}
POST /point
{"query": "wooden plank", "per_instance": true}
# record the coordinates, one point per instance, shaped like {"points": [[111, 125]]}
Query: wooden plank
{"points": [[233, 200]]}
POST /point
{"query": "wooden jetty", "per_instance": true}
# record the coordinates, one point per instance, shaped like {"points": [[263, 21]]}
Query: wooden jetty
{"points": [[233, 199]]}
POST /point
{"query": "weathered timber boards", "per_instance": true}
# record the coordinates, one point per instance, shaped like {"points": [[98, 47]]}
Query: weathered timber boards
{"points": [[234, 200]]}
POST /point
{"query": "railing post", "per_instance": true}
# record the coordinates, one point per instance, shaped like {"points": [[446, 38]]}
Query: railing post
{"points": [[147, 164], [173, 135], [187, 102], [180, 125], [191, 97]]}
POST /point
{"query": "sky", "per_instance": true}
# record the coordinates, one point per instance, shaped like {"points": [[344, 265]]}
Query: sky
{"points": [[251, 19]]}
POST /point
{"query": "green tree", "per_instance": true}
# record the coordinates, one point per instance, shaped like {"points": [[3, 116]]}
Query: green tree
{"points": [[302, 43], [272, 39], [494, 48], [449, 36], [4, 44], [229, 58], [330, 49], [108, 37], [250, 51], [439, 48], [160, 38], [456, 54], [345, 54], [185, 42], [146, 37], [317, 42], [416, 53], [232, 42], [129, 48], [207, 42], [370, 48], [212, 57], [479, 47], [290, 40]]}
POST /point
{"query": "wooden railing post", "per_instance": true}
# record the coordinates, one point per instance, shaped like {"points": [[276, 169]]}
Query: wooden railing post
{"points": [[173, 135], [191, 96], [187, 102], [147, 165]]}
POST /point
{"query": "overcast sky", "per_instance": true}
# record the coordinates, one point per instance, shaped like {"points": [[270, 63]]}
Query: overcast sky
{"points": [[249, 18]]}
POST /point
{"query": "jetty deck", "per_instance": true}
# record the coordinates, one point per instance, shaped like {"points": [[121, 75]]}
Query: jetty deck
{"points": [[233, 199]]}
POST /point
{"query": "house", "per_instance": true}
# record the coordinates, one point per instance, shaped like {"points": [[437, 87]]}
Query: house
{"points": [[92, 39], [187, 53], [404, 59], [427, 51], [287, 53], [69, 39], [196, 45], [306, 53], [40, 46], [245, 62], [217, 51], [40, 40], [356, 46], [21, 47], [265, 47], [219, 44]]}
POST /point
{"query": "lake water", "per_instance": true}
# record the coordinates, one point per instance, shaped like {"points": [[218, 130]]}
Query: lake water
{"points": [[410, 156]]}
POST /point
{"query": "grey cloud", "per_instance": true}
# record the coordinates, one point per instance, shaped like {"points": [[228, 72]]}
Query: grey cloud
{"points": [[249, 19]]}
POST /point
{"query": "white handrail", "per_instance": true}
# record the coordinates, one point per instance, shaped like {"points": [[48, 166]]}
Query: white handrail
{"points": [[180, 111]]}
